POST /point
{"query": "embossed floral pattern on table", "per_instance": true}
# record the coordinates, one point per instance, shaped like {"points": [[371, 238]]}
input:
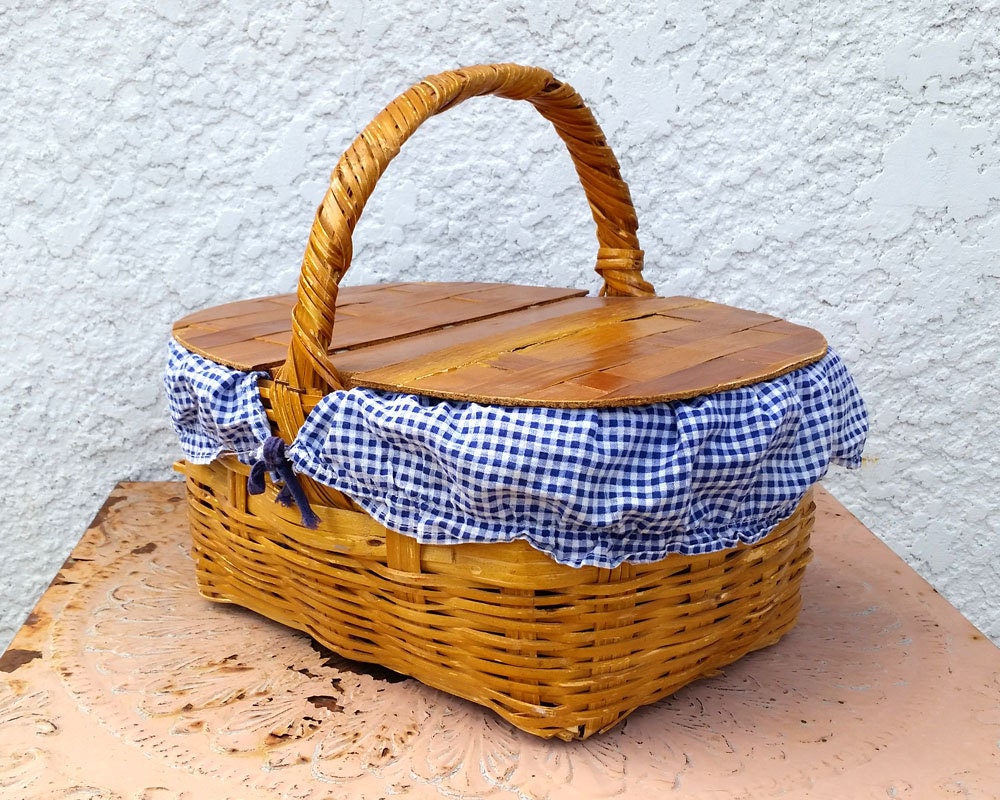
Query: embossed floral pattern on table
{"points": [[216, 696], [274, 694], [25, 712]]}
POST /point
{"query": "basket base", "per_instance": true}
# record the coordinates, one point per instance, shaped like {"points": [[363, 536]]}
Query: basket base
{"points": [[555, 650]]}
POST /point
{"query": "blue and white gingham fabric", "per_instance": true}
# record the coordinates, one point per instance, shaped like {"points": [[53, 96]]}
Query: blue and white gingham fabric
{"points": [[214, 409], [587, 486]]}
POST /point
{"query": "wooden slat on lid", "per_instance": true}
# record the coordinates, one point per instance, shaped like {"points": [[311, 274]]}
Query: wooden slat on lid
{"points": [[517, 345], [232, 335]]}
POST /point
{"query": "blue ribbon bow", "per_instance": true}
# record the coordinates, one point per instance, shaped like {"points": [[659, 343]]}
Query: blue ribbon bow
{"points": [[272, 459]]}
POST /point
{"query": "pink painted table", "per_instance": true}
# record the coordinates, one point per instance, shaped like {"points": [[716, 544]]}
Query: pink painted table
{"points": [[125, 685]]}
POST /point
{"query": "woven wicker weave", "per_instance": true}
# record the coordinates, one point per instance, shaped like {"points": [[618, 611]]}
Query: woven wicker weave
{"points": [[557, 651]]}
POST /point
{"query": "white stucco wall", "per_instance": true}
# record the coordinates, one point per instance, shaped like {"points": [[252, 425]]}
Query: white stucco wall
{"points": [[834, 163]]}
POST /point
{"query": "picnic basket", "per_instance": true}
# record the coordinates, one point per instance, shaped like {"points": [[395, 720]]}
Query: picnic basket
{"points": [[558, 650]]}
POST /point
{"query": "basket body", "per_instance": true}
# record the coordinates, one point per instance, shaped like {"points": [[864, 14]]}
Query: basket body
{"points": [[557, 651]]}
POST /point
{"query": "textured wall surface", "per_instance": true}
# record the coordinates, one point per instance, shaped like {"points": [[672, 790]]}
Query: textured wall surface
{"points": [[836, 164]]}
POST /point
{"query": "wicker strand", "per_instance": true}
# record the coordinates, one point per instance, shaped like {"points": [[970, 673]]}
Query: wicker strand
{"points": [[329, 250]]}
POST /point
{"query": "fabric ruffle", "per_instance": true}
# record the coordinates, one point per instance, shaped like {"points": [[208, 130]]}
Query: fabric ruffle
{"points": [[587, 486]]}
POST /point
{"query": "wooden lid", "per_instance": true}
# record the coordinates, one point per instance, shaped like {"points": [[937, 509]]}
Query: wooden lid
{"points": [[518, 345]]}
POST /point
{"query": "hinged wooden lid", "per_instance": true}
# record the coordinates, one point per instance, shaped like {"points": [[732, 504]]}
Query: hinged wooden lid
{"points": [[518, 345]]}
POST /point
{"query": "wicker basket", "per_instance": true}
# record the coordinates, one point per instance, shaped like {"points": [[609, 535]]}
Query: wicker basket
{"points": [[556, 650]]}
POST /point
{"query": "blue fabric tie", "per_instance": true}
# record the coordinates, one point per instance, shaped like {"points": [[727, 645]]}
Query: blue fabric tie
{"points": [[272, 459]]}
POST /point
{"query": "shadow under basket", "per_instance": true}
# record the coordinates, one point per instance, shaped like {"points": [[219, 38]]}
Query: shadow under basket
{"points": [[568, 657]]}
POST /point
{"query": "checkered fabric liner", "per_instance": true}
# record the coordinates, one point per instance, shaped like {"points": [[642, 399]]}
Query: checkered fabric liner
{"points": [[587, 486]]}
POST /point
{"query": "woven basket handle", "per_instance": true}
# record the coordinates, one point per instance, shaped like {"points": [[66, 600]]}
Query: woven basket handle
{"points": [[328, 253]]}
